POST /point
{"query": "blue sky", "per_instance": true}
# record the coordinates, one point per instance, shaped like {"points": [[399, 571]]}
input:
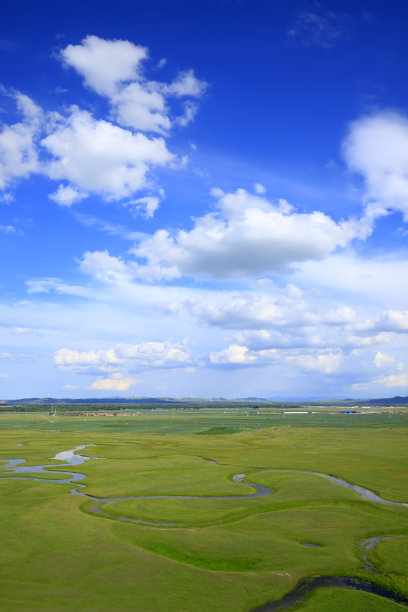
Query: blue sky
{"points": [[204, 199]]}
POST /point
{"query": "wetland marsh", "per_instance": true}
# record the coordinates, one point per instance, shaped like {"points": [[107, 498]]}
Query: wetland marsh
{"points": [[191, 522]]}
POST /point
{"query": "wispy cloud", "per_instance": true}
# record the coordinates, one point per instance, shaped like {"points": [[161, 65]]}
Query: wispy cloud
{"points": [[112, 229], [320, 29]]}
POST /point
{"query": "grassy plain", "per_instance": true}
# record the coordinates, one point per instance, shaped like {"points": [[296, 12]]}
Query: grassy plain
{"points": [[339, 600], [57, 554]]}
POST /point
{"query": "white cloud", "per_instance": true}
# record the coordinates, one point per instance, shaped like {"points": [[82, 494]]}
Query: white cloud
{"points": [[113, 69], [248, 237], [66, 195], [234, 354], [326, 363], [253, 310], [393, 320], [77, 361], [259, 189], [377, 148], [107, 268], [382, 360], [8, 229], [145, 354], [3, 375], [102, 158], [323, 29], [190, 111], [394, 380], [105, 63], [18, 154], [141, 107], [146, 205], [96, 156], [372, 339], [238, 355], [155, 354], [187, 84], [69, 387], [93, 156], [103, 266], [116, 383]]}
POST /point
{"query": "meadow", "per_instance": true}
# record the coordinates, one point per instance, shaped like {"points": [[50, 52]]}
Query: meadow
{"points": [[189, 537]]}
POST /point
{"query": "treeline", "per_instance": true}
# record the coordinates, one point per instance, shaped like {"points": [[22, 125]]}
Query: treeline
{"points": [[82, 408]]}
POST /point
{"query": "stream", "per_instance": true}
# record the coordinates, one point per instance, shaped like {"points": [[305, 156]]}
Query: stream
{"points": [[301, 590], [305, 586]]}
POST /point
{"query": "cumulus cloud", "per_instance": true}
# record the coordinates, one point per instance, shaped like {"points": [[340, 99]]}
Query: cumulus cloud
{"points": [[105, 63], [111, 157], [111, 269], [394, 380], [155, 354], [248, 236], [104, 267], [377, 148], [265, 317], [145, 354], [382, 360], [76, 361], [115, 383], [141, 107], [144, 105], [234, 354], [259, 188], [66, 195], [18, 152], [239, 355], [319, 337], [114, 69], [92, 156], [99, 157], [263, 311], [390, 321], [393, 320], [187, 84]]}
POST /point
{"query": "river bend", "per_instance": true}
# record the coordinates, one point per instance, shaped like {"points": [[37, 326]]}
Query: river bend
{"points": [[303, 587]]}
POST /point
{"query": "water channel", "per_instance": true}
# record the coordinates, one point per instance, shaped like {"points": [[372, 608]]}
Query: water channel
{"points": [[303, 587]]}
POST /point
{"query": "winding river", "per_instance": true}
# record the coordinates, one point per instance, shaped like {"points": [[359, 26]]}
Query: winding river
{"points": [[305, 586], [301, 589]]}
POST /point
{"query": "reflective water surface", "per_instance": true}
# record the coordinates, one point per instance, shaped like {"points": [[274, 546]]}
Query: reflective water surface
{"points": [[304, 586]]}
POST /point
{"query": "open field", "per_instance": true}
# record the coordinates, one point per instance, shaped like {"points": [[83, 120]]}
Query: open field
{"points": [[226, 548]]}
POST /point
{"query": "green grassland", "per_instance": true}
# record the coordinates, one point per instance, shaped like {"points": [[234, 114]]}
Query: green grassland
{"points": [[231, 551], [339, 600]]}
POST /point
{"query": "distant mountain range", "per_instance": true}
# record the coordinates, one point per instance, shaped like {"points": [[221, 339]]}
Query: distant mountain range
{"points": [[92, 400], [384, 401]]}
